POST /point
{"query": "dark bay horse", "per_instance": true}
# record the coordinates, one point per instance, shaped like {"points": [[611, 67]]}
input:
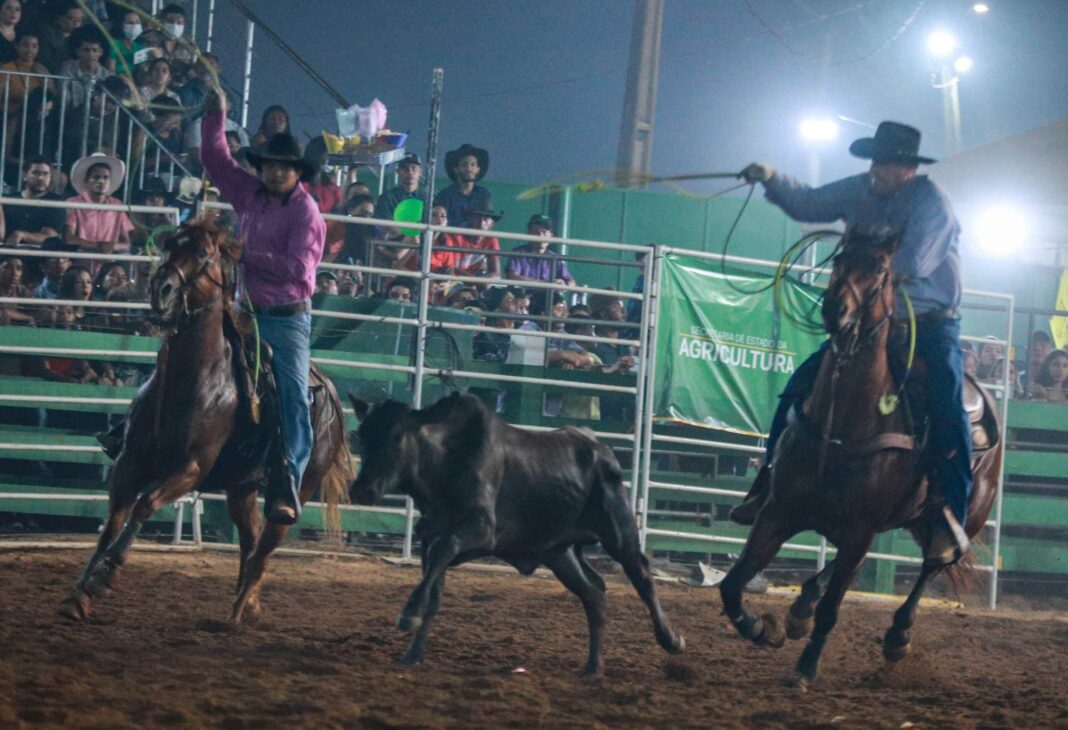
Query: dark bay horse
{"points": [[190, 426], [848, 471]]}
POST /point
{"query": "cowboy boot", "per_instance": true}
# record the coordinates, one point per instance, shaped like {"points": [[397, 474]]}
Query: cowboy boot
{"points": [[282, 503], [948, 543], [746, 513]]}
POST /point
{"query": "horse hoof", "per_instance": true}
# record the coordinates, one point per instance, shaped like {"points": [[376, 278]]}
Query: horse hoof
{"points": [[592, 673], [76, 606], [774, 634], [797, 681], [896, 653], [796, 627], [410, 660], [409, 623], [678, 646]]}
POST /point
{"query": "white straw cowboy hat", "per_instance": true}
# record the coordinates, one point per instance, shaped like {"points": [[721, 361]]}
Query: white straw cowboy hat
{"points": [[81, 168]]}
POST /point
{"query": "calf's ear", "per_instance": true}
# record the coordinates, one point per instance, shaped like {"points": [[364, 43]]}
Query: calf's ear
{"points": [[361, 407]]}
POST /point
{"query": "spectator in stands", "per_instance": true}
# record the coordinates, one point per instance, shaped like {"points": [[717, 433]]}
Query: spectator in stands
{"points": [[125, 44], [356, 188], [494, 346], [441, 261], [409, 177], [475, 262], [10, 15], [181, 53], [54, 269], [461, 297], [971, 362], [545, 266], [159, 84], [275, 120], [326, 283], [95, 178], [153, 192], [23, 224], [989, 354], [349, 283], [562, 353], [68, 17], [87, 67], [112, 274], [465, 166], [1038, 350], [400, 290], [11, 286], [166, 127], [19, 87], [616, 357], [359, 237], [322, 187], [1051, 383], [201, 80], [137, 288]]}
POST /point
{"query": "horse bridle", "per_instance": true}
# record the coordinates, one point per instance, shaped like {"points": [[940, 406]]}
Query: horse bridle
{"points": [[184, 284], [865, 305]]}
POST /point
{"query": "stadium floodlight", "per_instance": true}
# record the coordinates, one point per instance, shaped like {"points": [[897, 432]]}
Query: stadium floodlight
{"points": [[963, 64], [819, 129], [941, 43], [1002, 230], [980, 8]]}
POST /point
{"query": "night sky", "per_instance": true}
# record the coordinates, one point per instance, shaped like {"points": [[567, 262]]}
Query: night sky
{"points": [[541, 83]]}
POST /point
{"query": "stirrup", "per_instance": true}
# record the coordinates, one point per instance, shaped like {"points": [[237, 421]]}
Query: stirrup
{"points": [[948, 543]]}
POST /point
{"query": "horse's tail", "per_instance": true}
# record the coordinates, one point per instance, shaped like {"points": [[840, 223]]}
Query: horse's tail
{"points": [[334, 490]]}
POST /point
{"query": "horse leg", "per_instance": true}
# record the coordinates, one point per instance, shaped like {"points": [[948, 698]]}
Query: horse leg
{"points": [[619, 537], [897, 642], [571, 570], [122, 488], [765, 539], [850, 555], [164, 492], [417, 648], [799, 617], [248, 594], [241, 506]]}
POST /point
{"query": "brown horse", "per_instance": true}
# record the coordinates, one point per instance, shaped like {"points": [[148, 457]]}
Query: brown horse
{"points": [[191, 427], [847, 471]]}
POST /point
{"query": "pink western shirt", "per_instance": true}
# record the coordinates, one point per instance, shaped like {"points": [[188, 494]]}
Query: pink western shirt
{"points": [[283, 239]]}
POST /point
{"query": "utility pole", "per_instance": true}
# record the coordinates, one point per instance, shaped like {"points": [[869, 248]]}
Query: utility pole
{"points": [[639, 104]]}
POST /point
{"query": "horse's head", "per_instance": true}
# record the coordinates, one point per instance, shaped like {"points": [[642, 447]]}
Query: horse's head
{"points": [[860, 294], [193, 273]]}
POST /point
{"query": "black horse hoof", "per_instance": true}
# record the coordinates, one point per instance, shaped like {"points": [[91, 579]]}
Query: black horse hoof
{"points": [[896, 646], [409, 659], [77, 606], [796, 627], [98, 586], [797, 681], [773, 635]]}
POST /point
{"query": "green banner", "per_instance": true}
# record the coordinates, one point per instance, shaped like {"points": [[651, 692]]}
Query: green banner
{"points": [[724, 352]]}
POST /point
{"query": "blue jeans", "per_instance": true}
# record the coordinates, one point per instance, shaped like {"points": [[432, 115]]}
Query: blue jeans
{"points": [[950, 446], [290, 340]]}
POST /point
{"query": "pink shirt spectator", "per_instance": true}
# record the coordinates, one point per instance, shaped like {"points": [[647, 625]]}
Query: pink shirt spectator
{"points": [[283, 239], [98, 225]]}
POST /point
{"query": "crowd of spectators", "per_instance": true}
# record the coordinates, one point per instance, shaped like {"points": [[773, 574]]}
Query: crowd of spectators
{"points": [[1042, 375]]}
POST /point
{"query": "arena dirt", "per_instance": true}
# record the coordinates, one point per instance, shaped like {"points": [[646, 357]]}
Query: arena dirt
{"points": [[504, 653]]}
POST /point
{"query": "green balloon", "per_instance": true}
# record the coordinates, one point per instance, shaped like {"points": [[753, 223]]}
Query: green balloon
{"points": [[409, 211]]}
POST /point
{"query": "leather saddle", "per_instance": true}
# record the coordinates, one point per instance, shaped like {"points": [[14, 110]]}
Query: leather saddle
{"points": [[976, 401]]}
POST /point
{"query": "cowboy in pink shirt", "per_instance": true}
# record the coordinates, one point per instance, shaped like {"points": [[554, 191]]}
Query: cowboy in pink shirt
{"points": [[283, 236], [95, 178]]}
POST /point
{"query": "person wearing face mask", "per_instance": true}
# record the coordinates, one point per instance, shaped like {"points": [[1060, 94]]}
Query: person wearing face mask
{"points": [[125, 44], [892, 197], [178, 51]]}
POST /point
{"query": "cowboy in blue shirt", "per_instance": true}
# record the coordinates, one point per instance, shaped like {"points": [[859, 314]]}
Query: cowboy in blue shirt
{"points": [[893, 197]]}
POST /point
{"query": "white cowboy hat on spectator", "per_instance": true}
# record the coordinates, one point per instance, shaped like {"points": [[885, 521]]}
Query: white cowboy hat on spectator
{"points": [[189, 189], [81, 168]]}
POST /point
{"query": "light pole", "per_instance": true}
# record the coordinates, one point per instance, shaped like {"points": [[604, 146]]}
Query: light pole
{"points": [[943, 46]]}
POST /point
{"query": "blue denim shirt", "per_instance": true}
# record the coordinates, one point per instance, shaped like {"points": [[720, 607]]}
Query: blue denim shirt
{"points": [[928, 260]]}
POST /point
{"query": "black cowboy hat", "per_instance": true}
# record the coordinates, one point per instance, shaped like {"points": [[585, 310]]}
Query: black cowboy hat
{"points": [[282, 147], [476, 212], [454, 156], [893, 142]]}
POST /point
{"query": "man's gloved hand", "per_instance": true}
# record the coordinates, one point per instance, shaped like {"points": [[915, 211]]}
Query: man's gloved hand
{"points": [[757, 172]]}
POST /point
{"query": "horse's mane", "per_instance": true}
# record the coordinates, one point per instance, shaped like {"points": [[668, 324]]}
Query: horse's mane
{"points": [[229, 245]]}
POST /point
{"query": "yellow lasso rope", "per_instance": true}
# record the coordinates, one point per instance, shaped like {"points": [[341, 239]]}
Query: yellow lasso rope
{"points": [[888, 402]]}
